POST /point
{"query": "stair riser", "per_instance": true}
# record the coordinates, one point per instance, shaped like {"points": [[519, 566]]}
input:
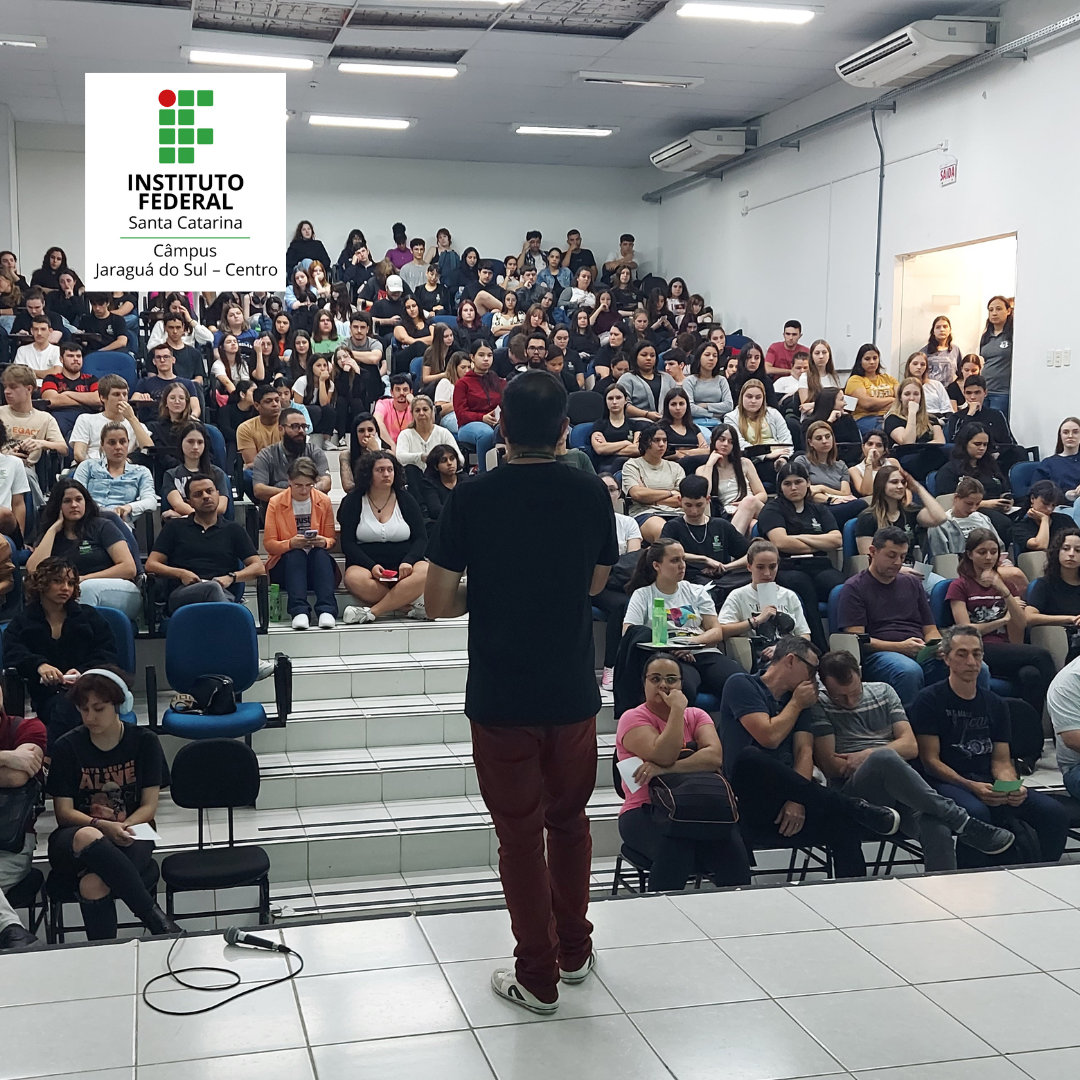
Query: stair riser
{"points": [[369, 641], [417, 679]]}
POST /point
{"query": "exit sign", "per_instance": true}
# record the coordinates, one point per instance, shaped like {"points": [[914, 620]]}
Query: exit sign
{"points": [[948, 174]]}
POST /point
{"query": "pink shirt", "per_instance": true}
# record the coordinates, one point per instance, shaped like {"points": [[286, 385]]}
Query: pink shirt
{"points": [[643, 716], [395, 421], [399, 258], [779, 355]]}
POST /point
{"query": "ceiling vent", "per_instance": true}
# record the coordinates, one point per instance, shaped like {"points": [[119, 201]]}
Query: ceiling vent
{"points": [[389, 54], [921, 49], [700, 150]]}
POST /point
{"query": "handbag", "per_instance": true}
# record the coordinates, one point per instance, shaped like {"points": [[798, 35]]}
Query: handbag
{"points": [[17, 809], [215, 695], [695, 804]]}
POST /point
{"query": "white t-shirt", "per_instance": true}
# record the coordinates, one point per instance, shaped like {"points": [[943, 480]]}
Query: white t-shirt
{"points": [[627, 530], [786, 385], [937, 397], [685, 607], [12, 479], [742, 604], [217, 369], [35, 360], [302, 514], [87, 429], [444, 392], [370, 530], [1063, 704], [412, 450], [827, 380], [663, 477]]}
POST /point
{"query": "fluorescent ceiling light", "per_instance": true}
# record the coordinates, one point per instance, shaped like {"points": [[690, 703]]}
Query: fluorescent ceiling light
{"points": [[584, 132], [229, 59], [655, 82], [377, 123], [24, 42], [755, 13], [416, 71]]}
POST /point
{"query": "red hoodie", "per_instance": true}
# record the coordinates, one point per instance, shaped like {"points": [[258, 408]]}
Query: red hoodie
{"points": [[473, 400]]}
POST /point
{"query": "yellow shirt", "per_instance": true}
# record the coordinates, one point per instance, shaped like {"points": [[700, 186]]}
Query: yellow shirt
{"points": [[875, 386], [255, 434]]}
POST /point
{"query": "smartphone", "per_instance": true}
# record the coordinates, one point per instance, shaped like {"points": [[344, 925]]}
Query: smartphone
{"points": [[389, 575], [310, 534], [1006, 787]]}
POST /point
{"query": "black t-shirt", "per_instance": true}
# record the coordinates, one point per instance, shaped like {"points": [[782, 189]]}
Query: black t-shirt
{"points": [[90, 555], [717, 539], [948, 476], [221, 549], [188, 362], [474, 288], [894, 422], [72, 308], [780, 514], [1052, 596], [578, 259], [105, 783], [21, 324], [867, 525], [967, 730], [1025, 529], [109, 329], [530, 537], [428, 300], [745, 695], [675, 441], [614, 434], [387, 308]]}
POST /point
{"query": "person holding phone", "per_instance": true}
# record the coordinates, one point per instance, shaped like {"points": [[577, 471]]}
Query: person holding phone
{"points": [[299, 536], [963, 732]]}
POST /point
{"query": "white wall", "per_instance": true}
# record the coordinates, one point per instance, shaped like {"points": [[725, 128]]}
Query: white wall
{"points": [[805, 249]]}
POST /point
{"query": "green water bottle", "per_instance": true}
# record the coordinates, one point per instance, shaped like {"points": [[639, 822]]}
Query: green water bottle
{"points": [[275, 603], [659, 622]]}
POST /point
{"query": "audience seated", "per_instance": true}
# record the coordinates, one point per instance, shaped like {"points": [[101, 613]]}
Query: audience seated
{"points": [[873, 389], [781, 353], [104, 778], [763, 432], [938, 402], [712, 546], [383, 537], [829, 477], [14, 487], [173, 416], [298, 537], [1038, 520], [908, 424], [113, 481], [614, 437], [270, 469], [34, 308], [110, 330], [691, 617], [1054, 599], [963, 733], [709, 392], [150, 389], [892, 504], [686, 441], [364, 439], [974, 410], [203, 556], [416, 441], [766, 733], [651, 482], [874, 455], [87, 431], [262, 430], [74, 528], [181, 334], [973, 456], [864, 745], [442, 474], [734, 486], [645, 387], [69, 393], [392, 413], [29, 431], [821, 374], [40, 355], [1063, 466], [194, 453], [829, 407], [477, 395], [657, 732]]}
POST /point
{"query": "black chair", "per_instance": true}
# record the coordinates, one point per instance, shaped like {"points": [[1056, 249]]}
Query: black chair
{"points": [[61, 889], [216, 774], [584, 407], [1072, 808], [30, 894]]}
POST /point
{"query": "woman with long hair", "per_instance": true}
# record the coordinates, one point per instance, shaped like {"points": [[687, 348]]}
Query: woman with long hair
{"points": [[873, 389], [300, 299], [316, 391], [973, 455], [456, 366], [942, 355], [468, 270], [47, 277], [1054, 599], [996, 347], [471, 326], [979, 597], [709, 392], [304, 247], [972, 364], [908, 424], [751, 365], [579, 296], [614, 435], [383, 537], [938, 402], [760, 426], [299, 355], [678, 298], [891, 504], [829, 407], [616, 345], [645, 387], [819, 375], [829, 479], [661, 327], [584, 340], [651, 483], [436, 355], [603, 316], [734, 486], [280, 332], [174, 412], [320, 283], [353, 243], [509, 319], [365, 440], [685, 438], [412, 336], [196, 458], [1038, 519], [691, 616], [324, 334], [1063, 466], [625, 298], [477, 397], [873, 456]]}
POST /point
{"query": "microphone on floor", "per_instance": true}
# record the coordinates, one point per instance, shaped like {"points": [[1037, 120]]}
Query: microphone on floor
{"points": [[235, 936]]}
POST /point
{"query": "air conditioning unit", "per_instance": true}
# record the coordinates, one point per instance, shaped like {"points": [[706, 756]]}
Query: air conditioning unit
{"points": [[700, 149], [921, 49]]}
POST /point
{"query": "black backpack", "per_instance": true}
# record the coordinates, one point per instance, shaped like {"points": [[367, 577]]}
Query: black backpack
{"points": [[215, 695]]}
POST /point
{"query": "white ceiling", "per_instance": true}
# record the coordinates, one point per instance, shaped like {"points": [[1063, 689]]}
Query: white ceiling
{"points": [[511, 77]]}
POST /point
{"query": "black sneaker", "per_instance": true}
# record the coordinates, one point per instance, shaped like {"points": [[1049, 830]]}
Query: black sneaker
{"points": [[883, 820], [159, 924], [15, 938], [988, 839]]}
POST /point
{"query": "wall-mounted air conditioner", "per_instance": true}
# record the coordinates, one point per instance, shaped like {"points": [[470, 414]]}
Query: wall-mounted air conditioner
{"points": [[916, 51], [700, 149]]}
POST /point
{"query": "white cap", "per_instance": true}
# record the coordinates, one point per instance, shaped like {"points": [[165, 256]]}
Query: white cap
{"points": [[394, 284]]}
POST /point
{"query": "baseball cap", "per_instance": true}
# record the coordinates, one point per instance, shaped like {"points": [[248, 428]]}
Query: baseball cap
{"points": [[394, 284]]}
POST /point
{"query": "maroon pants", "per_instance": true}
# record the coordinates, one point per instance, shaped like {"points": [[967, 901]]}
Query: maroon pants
{"points": [[532, 779]]}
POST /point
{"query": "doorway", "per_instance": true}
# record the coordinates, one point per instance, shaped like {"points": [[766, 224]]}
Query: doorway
{"points": [[956, 282]]}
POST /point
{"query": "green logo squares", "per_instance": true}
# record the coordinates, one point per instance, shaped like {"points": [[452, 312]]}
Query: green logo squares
{"points": [[167, 117], [206, 136], [166, 135], [186, 155], [177, 134], [186, 116], [187, 136], [206, 97], [185, 97], [166, 156]]}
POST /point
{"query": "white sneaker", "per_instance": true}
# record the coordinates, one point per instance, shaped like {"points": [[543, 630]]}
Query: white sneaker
{"points": [[266, 669], [327, 621], [418, 611], [300, 622], [505, 984], [582, 972], [607, 680], [355, 614]]}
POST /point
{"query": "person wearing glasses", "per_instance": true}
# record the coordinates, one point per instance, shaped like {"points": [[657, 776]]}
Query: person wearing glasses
{"points": [[270, 470], [656, 732], [768, 755]]}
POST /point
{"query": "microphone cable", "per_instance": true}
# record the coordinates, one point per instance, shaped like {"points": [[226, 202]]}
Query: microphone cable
{"points": [[230, 973]]}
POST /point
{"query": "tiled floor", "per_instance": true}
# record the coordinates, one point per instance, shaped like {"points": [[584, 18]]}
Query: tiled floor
{"points": [[959, 977]]}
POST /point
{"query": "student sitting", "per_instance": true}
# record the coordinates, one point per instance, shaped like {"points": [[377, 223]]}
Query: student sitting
{"points": [[181, 334], [644, 385], [873, 388], [173, 415], [1038, 520], [113, 481], [652, 483], [416, 441], [270, 469], [365, 439], [383, 537], [194, 453], [441, 476], [864, 745], [318, 395], [975, 410], [734, 486], [233, 366], [29, 431], [766, 733], [829, 477], [74, 528], [821, 374], [710, 394], [908, 423], [746, 614], [938, 402], [113, 397], [973, 456], [14, 486], [874, 456], [828, 406], [298, 537], [712, 545], [657, 732], [1055, 597], [691, 617], [200, 555], [40, 355], [787, 386], [963, 732], [891, 504], [150, 389], [760, 426], [262, 430], [110, 329], [54, 636], [614, 436], [1063, 466], [477, 396], [685, 438], [1063, 705], [104, 778]]}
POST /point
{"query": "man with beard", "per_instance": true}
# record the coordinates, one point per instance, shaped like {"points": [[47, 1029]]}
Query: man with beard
{"points": [[270, 471]]}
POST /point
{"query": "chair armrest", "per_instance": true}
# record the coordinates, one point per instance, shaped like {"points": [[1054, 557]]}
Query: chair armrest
{"points": [[151, 695], [262, 599], [738, 648], [14, 693], [283, 688], [1054, 640]]}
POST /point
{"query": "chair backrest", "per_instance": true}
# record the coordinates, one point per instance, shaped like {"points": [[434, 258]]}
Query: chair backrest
{"points": [[211, 639], [1021, 477], [217, 448], [215, 773], [946, 566], [488, 319], [584, 407], [579, 436], [834, 608], [450, 320], [940, 608], [124, 633], [850, 546], [112, 363], [1033, 563]]}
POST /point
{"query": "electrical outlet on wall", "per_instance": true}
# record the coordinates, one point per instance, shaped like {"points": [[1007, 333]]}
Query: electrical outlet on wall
{"points": [[1049, 357], [1067, 357], [1058, 357]]}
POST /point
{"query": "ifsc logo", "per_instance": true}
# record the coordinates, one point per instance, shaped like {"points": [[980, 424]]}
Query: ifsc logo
{"points": [[178, 134]]}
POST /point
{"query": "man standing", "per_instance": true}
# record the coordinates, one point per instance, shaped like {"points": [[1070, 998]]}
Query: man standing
{"points": [[531, 253], [533, 711]]}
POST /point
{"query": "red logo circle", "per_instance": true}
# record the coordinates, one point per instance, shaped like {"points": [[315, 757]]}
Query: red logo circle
{"points": [[167, 98]]}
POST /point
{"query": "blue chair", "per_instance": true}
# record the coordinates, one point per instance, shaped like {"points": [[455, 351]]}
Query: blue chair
{"points": [[124, 634], [940, 608], [1021, 477], [851, 548], [487, 319], [931, 483], [217, 639], [579, 436], [833, 609], [450, 320], [112, 363], [217, 448]]}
